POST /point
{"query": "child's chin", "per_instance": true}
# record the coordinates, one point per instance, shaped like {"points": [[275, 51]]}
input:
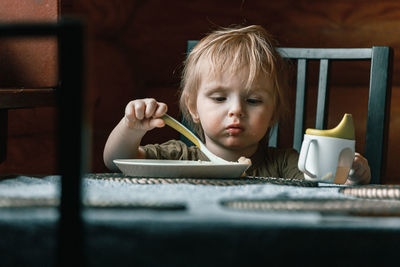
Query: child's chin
{"points": [[236, 142], [235, 145]]}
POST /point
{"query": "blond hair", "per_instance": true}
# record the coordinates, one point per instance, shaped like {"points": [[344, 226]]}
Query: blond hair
{"points": [[231, 49]]}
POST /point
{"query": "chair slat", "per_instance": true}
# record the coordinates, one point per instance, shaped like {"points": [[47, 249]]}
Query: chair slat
{"points": [[72, 148], [190, 45], [300, 96], [376, 119], [322, 93], [273, 139], [325, 53], [3, 134]]}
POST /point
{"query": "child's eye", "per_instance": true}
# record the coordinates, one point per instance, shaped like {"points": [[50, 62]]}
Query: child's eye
{"points": [[219, 98], [254, 101]]}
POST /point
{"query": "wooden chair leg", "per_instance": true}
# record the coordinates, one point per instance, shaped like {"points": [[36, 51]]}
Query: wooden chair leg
{"points": [[3, 134]]}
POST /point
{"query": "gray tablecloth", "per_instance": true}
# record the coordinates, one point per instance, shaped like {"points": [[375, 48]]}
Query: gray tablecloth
{"points": [[181, 224]]}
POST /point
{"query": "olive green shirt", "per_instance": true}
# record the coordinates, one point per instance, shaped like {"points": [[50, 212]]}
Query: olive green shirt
{"points": [[268, 162]]}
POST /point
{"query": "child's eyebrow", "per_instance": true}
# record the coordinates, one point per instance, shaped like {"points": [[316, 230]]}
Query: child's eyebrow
{"points": [[220, 88], [258, 90], [265, 87], [216, 88]]}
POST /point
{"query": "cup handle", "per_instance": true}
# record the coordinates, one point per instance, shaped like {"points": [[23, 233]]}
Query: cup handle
{"points": [[303, 157]]}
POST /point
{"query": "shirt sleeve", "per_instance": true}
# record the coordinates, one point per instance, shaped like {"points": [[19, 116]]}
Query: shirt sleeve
{"points": [[289, 166], [283, 163]]}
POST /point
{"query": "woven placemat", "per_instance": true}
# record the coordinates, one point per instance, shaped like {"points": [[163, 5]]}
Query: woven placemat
{"points": [[28, 202], [373, 191], [201, 181], [338, 206], [54, 202]]}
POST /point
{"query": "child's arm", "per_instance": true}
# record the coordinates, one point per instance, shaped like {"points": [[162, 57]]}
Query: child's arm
{"points": [[361, 173], [141, 115]]}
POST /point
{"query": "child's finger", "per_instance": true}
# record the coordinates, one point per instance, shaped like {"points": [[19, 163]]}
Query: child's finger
{"points": [[358, 158], [360, 170], [150, 108], [363, 178], [158, 123], [161, 110], [139, 109], [130, 111]]}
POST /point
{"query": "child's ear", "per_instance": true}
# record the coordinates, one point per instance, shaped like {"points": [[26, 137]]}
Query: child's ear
{"points": [[195, 115], [193, 112]]}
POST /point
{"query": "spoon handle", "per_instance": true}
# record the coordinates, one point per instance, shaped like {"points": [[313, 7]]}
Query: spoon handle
{"points": [[194, 139]]}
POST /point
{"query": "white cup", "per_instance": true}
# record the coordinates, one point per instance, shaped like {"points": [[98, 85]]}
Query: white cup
{"points": [[326, 159]]}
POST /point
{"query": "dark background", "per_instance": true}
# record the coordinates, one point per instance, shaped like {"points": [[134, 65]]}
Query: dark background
{"points": [[135, 49]]}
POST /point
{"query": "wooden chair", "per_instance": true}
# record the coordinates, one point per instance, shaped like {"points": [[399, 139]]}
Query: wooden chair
{"points": [[378, 104], [69, 93]]}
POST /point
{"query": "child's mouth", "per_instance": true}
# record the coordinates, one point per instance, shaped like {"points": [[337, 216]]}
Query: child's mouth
{"points": [[234, 130]]}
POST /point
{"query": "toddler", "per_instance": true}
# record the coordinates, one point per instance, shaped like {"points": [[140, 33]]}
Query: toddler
{"points": [[232, 93]]}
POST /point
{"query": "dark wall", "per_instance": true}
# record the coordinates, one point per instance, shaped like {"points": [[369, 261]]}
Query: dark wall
{"points": [[135, 50]]}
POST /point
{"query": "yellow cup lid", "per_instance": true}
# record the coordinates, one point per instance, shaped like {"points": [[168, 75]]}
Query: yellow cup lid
{"points": [[345, 129]]}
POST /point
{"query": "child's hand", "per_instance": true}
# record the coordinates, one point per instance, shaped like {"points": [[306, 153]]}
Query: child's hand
{"points": [[144, 114], [360, 172]]}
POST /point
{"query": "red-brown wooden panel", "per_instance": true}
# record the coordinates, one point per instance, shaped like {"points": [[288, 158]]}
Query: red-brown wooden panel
{"points": [[28, 70], [28, 62]]}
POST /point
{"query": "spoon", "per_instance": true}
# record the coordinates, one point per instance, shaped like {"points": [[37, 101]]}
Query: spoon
{"points": [[189, 135]]}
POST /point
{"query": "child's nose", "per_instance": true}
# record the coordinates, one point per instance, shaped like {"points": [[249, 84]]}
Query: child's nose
{"points": [[236, 109]]}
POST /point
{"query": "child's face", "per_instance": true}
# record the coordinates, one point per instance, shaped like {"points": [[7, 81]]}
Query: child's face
{"points": [[233, 117]]}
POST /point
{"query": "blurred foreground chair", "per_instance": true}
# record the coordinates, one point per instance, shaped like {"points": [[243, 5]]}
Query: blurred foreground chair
{"points": [[69, 93], [380, 58]]}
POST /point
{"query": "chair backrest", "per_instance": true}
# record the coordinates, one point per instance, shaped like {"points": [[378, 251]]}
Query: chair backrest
{"points": [[379, 90]]}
